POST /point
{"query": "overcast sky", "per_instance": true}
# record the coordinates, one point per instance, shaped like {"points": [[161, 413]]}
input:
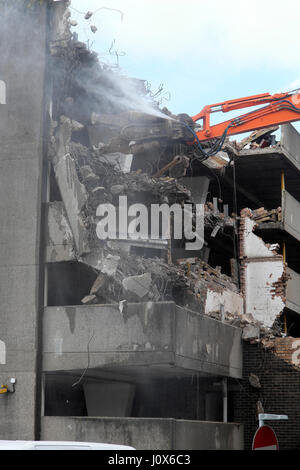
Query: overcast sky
{"points": [[203, 51]]}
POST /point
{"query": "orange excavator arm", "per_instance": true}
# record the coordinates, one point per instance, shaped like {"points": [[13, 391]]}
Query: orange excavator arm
{"points": [[282, 108]]}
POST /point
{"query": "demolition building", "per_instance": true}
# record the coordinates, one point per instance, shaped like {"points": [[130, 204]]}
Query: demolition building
{"points": [[136, 341]]}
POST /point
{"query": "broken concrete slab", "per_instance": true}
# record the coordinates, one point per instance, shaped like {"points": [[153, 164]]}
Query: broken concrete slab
{"points": [[138, 285], [59, 237], [94, 258], [251, 332], [75, 125], [90, 300], [99, 285], [121, 161], [74, 196]]}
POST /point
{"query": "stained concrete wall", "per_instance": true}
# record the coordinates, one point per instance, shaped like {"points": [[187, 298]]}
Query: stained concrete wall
{"points": [[290, 215], [290, 142], [22, 68], [292, 292], [150, 333], [146, 434]]}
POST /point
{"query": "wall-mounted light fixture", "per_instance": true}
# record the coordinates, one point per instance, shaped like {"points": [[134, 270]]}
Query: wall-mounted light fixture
{"points": [[6, 389]]}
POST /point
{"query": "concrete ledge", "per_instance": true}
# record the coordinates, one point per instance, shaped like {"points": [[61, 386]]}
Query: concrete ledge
{"points": [[148, 334], [293, 294], [290, 142], [290, 215], [146, 433]]}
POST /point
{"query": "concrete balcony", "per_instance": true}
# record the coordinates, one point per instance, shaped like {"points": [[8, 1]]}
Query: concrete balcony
{"points": [[146, 434], [291, 215], [290, 144], [159, 336], [290, 221], [293, 292]]}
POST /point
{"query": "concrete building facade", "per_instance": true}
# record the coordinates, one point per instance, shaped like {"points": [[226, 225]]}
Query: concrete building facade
{"points": [[134, 342], [47, 349], [23, 77]]}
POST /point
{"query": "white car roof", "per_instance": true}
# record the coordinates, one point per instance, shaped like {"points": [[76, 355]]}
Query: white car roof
{"points": [[31, 445]]}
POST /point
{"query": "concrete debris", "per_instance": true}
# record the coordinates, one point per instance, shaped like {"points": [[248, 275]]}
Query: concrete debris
{"points": [[98, 286], [138, 285], [195, 268], [98, 192], [260, 139], [187, 282], [110, 265], [120, 161], [254, 381], [262, 215], [177, 167], [151, 279], [103, 148], [251, 332], [85, 171], [122, 306], [117, 189], [218, 161], [259, 408], [89, 300]]}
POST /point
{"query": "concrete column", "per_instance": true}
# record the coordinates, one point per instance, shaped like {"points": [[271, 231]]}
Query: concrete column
{"points": [[22, 69]]}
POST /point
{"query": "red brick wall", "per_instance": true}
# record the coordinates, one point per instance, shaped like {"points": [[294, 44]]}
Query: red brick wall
{"points": [[279, 393]]}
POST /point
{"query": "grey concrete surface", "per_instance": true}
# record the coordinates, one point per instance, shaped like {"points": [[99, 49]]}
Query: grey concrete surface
{"points": [[290, 142], [146, 434], [18, 286], [293, 293], [150, 333], [193, 435], [19, 187], [17, 409], [207, 345], [59, 239], [291, 215], [22, 68], [74, 196]]}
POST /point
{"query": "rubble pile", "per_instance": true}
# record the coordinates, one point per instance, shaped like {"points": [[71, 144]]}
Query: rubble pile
{"points": [[102, 148], [254, 331], [262, 215], [139, 279], [216, 220], [260, 139]]}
